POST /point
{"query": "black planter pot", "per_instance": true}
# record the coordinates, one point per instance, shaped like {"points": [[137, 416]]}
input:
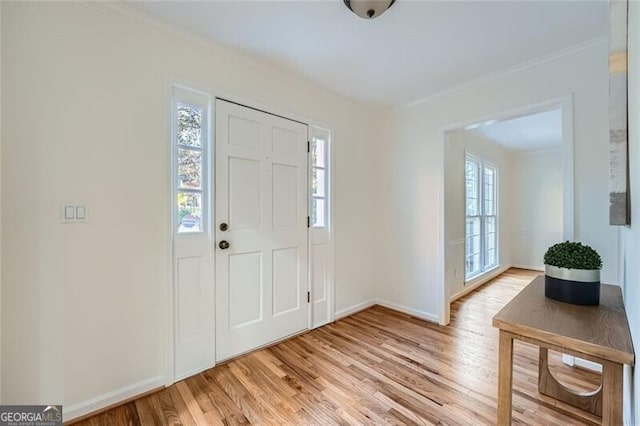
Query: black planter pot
{"points": [[575, 286]]}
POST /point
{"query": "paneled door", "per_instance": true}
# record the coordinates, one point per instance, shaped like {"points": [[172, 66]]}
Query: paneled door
{"points": [[261, 228]]}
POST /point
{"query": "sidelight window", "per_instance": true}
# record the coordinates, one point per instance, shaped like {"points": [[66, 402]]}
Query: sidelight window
{"points": [[319, 182], [190, 142]]}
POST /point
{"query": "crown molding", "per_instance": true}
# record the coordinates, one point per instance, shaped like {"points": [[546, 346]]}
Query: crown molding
{"points": [[512, 70], [137, 18]]}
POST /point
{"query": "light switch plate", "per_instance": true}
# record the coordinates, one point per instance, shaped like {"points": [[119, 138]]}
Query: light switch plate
{"points": [[73, 213], [69, 213], [81, 213]]}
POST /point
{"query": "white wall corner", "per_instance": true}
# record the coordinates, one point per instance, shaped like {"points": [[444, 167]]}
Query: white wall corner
{"points": [[529, 267], [354, 309], [423, 315], [479, 282]]}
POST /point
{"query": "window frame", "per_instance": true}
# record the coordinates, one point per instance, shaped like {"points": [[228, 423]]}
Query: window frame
{"points": [[481, 214], [325, 169], [201, 101], [485, 216]]}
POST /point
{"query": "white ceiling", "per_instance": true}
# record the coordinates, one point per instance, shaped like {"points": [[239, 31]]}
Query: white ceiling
{"points": [[536, 132], [415, 49]]}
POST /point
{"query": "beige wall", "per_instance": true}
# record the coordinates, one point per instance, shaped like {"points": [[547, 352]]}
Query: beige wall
{"points": [[630, 253], [84, 306], [530, 197], [457, 144], [536, 201], [411, 157], [77, 298]]}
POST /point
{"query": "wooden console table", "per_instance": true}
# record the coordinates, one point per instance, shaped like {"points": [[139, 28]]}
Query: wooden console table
{"points": [[596, 333]]}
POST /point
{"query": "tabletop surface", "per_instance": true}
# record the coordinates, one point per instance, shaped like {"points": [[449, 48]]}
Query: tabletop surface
{"points": [[601, 331]]}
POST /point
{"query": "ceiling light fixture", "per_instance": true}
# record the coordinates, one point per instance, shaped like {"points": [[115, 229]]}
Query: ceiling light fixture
{"points": [[368, 9]]}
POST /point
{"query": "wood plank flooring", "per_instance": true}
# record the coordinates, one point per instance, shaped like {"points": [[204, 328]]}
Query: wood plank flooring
{"points": [[376, 367]]}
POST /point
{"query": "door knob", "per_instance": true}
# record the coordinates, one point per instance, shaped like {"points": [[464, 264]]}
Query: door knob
{"points": [[223, 245]]}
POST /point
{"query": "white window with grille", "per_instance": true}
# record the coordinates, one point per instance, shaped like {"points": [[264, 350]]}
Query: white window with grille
{"points": [[481, 224]]}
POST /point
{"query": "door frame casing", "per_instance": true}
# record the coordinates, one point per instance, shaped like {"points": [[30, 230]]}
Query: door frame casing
{"points": [[208, 234], [329, 229], [169, 320], [565, 104]]}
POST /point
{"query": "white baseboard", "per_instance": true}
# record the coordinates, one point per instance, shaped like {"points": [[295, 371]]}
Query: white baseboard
{"points": [[582, 363], [111, 398], [529, 267], [354, 309], [479, 282], [427, 316]]}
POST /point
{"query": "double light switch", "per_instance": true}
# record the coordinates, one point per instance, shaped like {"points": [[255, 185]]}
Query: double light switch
{"points": [[74, 213]]}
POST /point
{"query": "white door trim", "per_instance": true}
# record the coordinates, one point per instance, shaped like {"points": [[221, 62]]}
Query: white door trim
{"points": [[565, 103], [322, 236], [189, 355], [176, 81]]}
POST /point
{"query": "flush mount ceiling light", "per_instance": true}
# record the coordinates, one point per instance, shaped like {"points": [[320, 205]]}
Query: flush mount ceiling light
{"points": [[368, 9]]}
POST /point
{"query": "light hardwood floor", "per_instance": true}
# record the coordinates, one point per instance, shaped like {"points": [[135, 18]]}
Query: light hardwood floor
{"points": [[376, 367]]}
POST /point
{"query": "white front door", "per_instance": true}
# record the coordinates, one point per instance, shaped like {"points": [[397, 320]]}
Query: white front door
{"points": [[261, 212]]}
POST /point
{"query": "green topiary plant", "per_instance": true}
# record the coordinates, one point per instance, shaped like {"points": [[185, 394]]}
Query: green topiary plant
{"points": [[572, 255]]}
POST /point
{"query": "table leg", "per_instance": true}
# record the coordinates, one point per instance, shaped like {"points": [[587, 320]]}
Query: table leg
{"points": [[505, 378], [611, 394], [548, 385]]}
